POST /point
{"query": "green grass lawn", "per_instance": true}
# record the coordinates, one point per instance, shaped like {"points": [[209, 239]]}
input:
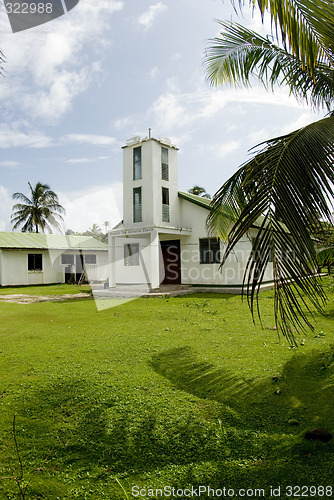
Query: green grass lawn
{"points": [[157, 392]]}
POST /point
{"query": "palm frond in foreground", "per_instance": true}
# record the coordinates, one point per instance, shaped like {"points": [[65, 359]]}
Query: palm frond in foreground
{"points": [[288, 184]]}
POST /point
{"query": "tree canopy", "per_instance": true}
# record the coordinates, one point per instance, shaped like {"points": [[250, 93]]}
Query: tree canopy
{"points": [[39, 212], [199, 191]]}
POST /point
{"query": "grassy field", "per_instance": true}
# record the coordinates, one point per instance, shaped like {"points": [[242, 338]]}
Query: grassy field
{"points": [[180, 392]]}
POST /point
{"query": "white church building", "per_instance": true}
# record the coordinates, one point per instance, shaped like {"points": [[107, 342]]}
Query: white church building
{"points": [[163, 238]]}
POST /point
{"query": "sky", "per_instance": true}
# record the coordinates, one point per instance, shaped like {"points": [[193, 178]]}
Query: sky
{"points": [[75, 89]]}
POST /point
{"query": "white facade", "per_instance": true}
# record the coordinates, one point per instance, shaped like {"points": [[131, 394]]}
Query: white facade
{"points": [[163, 237], [41, 266]]}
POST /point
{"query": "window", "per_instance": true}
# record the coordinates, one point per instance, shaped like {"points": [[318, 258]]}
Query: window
{"points": [[90, 259], [256, 253], [164, 164], [67, 258], [165, 204], [131, 254], [209, 250], [137, 210], [35, 262], [136, 163]]}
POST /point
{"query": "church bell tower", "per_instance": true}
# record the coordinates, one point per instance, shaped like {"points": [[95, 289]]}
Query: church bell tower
{"points": [[150, 183]]}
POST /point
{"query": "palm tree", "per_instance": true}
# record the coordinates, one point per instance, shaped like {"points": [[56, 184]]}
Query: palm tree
{"points": [[40, 212], [289, 180], [199, 191], [106, 226]]}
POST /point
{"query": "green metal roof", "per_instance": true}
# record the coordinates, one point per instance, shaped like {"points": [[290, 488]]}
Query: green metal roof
{"points": [[198, 200], [206, 203], [43, 241]]}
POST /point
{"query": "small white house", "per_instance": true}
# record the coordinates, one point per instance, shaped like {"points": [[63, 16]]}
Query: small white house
{"points": [[163, 237], [40, 259]]}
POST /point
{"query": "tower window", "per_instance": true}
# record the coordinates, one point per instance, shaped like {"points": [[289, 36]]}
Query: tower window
{"points": [[165, 204], [137, 163], [137, 205], [164, 164]]}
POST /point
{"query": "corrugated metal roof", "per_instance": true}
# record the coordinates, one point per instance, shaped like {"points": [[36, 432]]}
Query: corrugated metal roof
{"points": [[43, 241], [198, 200]]}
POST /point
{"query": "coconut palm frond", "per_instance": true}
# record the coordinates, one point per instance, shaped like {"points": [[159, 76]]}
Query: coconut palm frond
{"points": [[305, 27], [39, 212], [286, 186], [239, 55], [51, 221], [22, 197]]}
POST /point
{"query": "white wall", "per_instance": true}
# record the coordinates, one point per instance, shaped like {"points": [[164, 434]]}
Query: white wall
{"points": [[193, 272], [14, 265], [141, 274]]}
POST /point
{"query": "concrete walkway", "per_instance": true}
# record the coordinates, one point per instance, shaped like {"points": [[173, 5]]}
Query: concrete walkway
{"points": [[128, 291]]}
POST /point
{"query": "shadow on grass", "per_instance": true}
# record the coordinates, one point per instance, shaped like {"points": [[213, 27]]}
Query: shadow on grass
{"points": [[86, 423], [90, 423], [303, 390]]}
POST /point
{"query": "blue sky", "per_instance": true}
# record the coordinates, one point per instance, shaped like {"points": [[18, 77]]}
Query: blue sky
{"points": [[76, 88]]}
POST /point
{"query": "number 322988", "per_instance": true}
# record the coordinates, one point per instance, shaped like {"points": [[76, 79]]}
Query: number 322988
{"points": [[28, 8]]}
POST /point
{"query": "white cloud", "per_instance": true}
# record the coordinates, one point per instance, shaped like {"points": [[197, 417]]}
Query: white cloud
{"points": [[173, 109], [258, 136], [146, 20], [21, 134], [48, 69], [92, 206], [127, 122], [153, 73], [96, 140], [302, 121], [227, 148], [6, 204], [87, 160], [57, 99], [169, 112], [215, 101], [9, 164]]}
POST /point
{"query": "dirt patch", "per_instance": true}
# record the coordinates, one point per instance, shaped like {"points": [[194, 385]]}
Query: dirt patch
{"points": [[30, 299]]}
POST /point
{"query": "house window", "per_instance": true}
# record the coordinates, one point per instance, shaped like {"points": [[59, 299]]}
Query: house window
{"points": [[165, 204], [35, 262], [137, 205], [136, 163], [164, 164], [271, 252], [67, 258], [131, 254], [209, 250], [90, 259]]}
